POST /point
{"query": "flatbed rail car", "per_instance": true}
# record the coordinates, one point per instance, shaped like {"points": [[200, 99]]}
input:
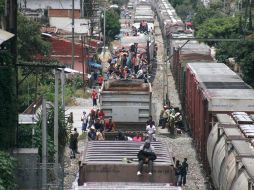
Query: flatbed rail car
{"points": [[213, 88], [127, 102], [116, 161], [230, 152]]}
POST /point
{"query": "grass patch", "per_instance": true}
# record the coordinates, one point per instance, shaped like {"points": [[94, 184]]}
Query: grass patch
{"points": [[80, 93], [83, 136]]}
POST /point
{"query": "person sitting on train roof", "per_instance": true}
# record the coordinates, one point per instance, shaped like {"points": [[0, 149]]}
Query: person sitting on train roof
{"points": [[110, 125], [92, 133], [150, 129], [100, 135], [98, 125], [146, 155], [150, 121], [137, 137], [121, 136], [101, 113]]}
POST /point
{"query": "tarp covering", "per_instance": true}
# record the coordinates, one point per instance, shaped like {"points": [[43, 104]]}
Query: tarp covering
{"points": [[4, 36], [94, 64]]}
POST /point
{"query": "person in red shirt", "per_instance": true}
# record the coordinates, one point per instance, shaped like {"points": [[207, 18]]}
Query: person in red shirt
{"points": [[101, 113], [137, 138], [100, 80], [94, 96]]}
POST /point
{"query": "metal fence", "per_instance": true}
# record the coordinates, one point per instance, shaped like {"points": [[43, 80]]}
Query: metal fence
{"points": [[44, 176]]}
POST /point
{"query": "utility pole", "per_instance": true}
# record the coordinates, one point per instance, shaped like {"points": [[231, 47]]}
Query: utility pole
{"points": [[83, 60], [56, 117], [72, 36], [147, 51], [104, 30], [166, 62], [44, 144], [62, 87]]}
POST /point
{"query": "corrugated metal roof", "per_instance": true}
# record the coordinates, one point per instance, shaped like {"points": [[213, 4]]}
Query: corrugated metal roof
{"points": [[53, 4], [116, 151]]}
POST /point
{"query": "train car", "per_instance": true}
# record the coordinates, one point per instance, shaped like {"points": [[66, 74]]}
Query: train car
{"points": [[230, 152], [116, 161], [191, 52], [127, 102], [213, 88], [168, 19]]}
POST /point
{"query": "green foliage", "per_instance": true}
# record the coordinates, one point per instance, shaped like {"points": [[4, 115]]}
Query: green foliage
{"points": [[245, 56], [224, 27], [112, 24], [1, 7], [29, 40], [7, 169], [175, 3], [203, 14], [185, 9], [27, 140]]}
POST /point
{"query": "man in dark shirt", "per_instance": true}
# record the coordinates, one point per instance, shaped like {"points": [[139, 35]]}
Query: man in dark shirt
{"points": [[150, 121], [184, 170]]}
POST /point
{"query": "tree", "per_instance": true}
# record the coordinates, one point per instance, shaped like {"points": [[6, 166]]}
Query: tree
{"points": [[203, 14], [245, 57], [30, 42], [181, 9], [224, 27], [112, 24]]}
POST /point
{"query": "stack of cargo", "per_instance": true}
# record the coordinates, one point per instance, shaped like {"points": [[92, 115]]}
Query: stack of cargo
{"points": [[213, 88], [230, 152]]}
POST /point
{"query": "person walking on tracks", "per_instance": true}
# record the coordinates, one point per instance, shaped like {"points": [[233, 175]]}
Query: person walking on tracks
{"points": [[84, 120], [178, 169], [75, 136], [146, 155], [184, 171], [72, 146], [94, 96]]}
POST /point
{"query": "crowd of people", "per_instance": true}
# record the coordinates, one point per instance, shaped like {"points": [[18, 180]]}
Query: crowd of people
{"points": [[128, 64], [96, 124], [171, 119]]}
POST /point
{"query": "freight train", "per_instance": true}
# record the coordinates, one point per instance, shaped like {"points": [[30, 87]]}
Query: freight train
{"points": [[112, 164], [230, 151], [210, 93]]}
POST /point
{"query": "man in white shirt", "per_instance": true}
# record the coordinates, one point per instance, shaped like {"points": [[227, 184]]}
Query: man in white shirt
{"points": [[150, 129]]}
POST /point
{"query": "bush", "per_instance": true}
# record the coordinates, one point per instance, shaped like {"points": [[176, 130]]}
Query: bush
{"points": [[7, 166]]}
